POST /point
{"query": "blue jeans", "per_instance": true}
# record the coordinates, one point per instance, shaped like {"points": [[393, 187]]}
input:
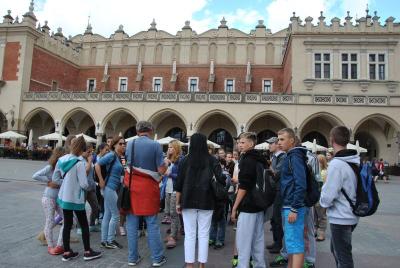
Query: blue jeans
{"points": [[217, 231], [153, 237], [111, 215]]}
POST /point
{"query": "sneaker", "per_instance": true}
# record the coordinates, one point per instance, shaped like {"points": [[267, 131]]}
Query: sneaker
{"points": [[58, 250], [160, 262], [122, 231], [219, 245], [103, 244], [94, 229], [211, 242], [115, 244], [69, 256], [91, 255], [308, 264], [235, 261], [134, 263], [278, 261]]}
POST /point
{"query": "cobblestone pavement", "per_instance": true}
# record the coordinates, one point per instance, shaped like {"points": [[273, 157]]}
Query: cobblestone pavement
{"points": [[376, 240]]}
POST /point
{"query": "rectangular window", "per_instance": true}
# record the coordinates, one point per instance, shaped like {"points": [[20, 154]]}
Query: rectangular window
{"points": [[229, 85], [123, 84], [193, 84], [91, 85], [267, 86], [322, 65], [349, 66], [54, 85], [377, 66], [157, 84]]}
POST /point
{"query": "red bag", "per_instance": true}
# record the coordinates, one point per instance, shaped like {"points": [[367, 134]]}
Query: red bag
{"points": [[145, 194]]}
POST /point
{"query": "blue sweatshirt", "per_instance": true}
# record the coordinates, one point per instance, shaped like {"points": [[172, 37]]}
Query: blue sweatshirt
{"points": [[45, 175]]}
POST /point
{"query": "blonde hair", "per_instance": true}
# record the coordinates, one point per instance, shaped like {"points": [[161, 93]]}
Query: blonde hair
{"points": [[78, 146], [57, 153], [177, 150], [323, 163]]}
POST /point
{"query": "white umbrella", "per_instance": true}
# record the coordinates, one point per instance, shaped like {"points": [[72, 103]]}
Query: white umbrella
{"points": [[311, 146], [60, 140], [132, 138], [120, 134], [30, 140], [216, 146], [167, 140], [358, 149], [11, 135], [87, 138], [262, 146], [52, 137]]}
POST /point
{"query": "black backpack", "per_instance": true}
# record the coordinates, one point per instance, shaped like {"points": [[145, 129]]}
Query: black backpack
{"points": [[367, 198], [263, 193], [313, 192]]}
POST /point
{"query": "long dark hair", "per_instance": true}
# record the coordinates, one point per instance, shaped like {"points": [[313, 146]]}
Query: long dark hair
{"points": [[198, 151]]}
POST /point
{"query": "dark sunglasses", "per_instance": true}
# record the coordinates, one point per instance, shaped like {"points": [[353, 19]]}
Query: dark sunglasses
{"points": [[122, 143]]}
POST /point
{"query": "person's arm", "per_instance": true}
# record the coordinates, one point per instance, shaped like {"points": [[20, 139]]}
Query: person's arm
{"points": [[178, 203], [106, 159], [178, 185], [332, 187], [239, 197], [300, 182], [81, 174], [57, 177], [41, 175]]}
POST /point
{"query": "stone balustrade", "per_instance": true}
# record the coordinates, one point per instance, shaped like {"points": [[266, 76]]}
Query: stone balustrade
{"points": [[214, 97]]}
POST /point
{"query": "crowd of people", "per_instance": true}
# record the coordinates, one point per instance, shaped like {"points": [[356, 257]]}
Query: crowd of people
{"points": [[201, 193]]}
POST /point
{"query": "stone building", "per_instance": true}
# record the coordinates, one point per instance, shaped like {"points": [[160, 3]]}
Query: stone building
{"points": [[309, 76]]}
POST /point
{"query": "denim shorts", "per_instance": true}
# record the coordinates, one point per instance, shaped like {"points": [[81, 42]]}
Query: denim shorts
{"points": [[294, 232]]}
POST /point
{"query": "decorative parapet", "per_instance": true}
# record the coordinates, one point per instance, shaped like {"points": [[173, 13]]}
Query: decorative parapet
{"points": [[209, 97]]}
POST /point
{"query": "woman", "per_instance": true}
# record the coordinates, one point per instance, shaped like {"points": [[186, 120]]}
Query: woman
{"points": [[320, 212], [70, 173], [195, 198], [174, 158], [110, 184], [102, 150], [49, 202]]}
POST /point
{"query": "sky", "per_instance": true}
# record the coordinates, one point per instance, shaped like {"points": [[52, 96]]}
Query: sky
{"points": [[170, 15]]}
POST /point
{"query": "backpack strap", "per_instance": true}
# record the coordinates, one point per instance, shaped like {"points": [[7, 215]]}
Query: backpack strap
{"points": [[108, 171], [65, 174]]}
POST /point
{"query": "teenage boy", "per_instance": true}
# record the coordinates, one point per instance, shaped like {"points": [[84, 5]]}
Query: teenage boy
{"points": [[341, 176], [293, 188], [251, 218]]}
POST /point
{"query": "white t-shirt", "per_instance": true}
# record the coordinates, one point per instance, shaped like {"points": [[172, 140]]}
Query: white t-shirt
{"points": [[169, 188]]}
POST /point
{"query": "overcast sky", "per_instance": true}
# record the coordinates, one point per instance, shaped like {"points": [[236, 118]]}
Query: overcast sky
{"points": [[170, 15]]}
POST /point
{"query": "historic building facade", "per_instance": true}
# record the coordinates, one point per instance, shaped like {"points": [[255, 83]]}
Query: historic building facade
{"points": [[309, 76]]}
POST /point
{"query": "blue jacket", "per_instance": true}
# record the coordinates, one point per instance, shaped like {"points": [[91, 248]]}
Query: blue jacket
{"points": [[294, 179]]}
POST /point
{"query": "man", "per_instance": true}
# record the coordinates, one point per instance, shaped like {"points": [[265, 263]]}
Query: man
{"points": [[293, 187], [230, 164], [221, 154], [148, 162], [235, 156], [341, 176], [251, 218], [277, 157], [109, 141]]}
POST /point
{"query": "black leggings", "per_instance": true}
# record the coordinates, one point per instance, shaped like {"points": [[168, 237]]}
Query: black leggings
{"points": [[68, 221]]}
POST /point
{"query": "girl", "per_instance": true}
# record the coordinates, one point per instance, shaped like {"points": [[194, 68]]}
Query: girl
{"points": [[195, 198], [110, 184], [70, 173], [49, 202], [174, 158]]}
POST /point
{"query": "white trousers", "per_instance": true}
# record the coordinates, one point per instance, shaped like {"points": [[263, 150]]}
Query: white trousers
{"points": [[250, 239], [197, 223]]}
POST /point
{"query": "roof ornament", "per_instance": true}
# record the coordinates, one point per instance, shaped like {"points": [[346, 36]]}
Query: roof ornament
{"points": [[153, 25]]}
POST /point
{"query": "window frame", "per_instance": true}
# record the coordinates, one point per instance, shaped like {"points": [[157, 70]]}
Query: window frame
{"points": [[88, 84], [377, 63], [322, 62], [226, 84], [349, 62], [119, 84], [54, 82], [154, 83], [197, 83], [263, 85]]}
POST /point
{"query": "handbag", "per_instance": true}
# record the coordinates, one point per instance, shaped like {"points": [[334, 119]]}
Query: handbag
{"points": [[124, 194], [219, 191]]}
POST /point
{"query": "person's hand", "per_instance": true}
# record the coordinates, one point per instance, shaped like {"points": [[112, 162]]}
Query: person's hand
{"points": [[178, 209], [292, 218], [235, 180], [90, 158], [102, 184], [233, 214], [53, 185]]}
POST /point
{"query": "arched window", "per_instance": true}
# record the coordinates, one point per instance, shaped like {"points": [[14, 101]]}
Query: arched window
{"points": [[265, 135], [223, 138], [158, 54], [177, 133], [194, 51], [231, 53], [321, 140]]}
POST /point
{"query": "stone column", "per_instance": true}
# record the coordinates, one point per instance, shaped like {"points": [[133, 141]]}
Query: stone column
{"points": [[99, 137]]}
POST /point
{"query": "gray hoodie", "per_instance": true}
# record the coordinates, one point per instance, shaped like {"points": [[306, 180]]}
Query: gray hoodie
{"points": [[340, 176]]}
